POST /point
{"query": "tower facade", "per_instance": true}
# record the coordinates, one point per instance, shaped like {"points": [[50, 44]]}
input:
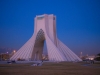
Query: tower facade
{"points": [[45, 30]]}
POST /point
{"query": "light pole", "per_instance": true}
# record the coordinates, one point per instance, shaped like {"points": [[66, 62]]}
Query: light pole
{"points": [[14, 51], [7, 56]]}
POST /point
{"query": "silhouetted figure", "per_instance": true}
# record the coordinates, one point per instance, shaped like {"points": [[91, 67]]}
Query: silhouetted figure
{"points": [[91, 61]]}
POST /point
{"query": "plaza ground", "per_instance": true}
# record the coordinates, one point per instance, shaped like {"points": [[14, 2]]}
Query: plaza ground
{"points": [[51, 68]]}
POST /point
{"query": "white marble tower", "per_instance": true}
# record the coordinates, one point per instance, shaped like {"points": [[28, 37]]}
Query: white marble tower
{"points": [[45, 30]]}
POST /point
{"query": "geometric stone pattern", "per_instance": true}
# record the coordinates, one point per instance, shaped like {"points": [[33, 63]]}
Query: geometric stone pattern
{"points": [[45, 30]]}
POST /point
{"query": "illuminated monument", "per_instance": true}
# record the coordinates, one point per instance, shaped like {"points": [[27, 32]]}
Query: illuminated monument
{"points": [[45, 30]]}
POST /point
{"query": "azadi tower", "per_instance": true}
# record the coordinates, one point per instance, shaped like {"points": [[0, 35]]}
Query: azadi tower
{"points": [[45, 30]]}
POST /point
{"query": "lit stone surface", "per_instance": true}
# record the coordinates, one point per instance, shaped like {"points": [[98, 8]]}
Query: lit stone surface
{"points": [[45, 30]]}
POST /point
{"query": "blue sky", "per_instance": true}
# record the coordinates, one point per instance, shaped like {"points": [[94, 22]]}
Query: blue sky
{"points": [[78, 23]]}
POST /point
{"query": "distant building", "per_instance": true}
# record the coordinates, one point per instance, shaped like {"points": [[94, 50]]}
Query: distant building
{"points": [[90, 57], [4, 56]]}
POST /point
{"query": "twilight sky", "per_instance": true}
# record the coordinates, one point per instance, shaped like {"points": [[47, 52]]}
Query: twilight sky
{"points": [[78, 23]]}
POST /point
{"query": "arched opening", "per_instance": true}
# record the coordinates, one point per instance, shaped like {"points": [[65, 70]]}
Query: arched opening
{"points": [[38, 46], [45, 52]]}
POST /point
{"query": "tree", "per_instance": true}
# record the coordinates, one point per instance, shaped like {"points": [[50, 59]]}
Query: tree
{"points": [[98, 54], [97, 58]]}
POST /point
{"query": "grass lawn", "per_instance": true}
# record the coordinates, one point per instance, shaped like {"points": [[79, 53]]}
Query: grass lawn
{"points": [[62, 68]]}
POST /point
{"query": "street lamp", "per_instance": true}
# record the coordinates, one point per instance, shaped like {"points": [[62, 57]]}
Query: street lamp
{"points": [[14, 51]]}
